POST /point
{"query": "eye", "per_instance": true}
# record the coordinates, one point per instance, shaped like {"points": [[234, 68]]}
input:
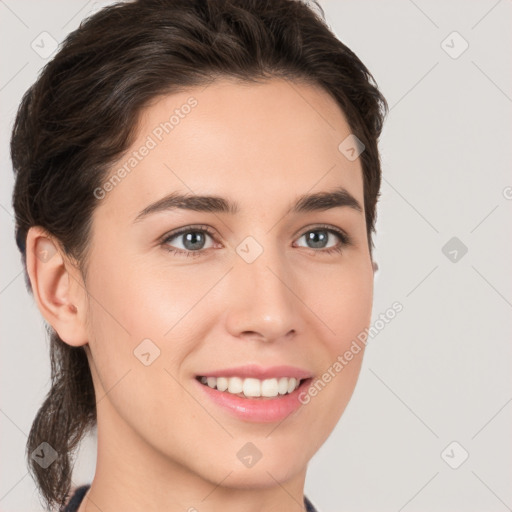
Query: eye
{"points": [[316, 241], [193, 239]]}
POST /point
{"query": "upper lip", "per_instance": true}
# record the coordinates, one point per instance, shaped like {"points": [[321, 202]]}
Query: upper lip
{"points": [[260, 372]]}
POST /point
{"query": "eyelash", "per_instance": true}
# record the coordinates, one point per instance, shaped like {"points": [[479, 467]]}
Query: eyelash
{"points": [[345, 240]]}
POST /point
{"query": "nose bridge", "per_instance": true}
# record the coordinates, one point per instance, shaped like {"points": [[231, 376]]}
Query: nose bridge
{"points": [[264, 270], [262, 301]]}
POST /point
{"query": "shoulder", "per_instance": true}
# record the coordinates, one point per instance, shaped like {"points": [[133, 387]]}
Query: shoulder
{"points": [[76, 498], [309, 506], [79, 493]]}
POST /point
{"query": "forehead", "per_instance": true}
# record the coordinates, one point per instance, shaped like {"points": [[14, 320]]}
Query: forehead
{"points": [[260, 143]]}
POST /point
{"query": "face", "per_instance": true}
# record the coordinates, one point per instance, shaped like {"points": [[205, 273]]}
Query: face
{"points": [[178, 293]]}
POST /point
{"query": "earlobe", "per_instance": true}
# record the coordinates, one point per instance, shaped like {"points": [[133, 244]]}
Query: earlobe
{"points": [[51, 275], [375, 266]]}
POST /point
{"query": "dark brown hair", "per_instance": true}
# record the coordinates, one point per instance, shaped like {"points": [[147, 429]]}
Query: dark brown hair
{"points": [[81, 115]]}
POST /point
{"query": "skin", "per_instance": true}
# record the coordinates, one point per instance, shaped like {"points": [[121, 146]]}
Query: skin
{"points": [[161, 445]]}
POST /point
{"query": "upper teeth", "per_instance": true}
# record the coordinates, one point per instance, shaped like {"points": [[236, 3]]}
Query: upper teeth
{"points": [[253, 387]]}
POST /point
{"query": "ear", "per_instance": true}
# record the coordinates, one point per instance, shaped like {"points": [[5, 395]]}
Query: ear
{"points": [[57, 286]]}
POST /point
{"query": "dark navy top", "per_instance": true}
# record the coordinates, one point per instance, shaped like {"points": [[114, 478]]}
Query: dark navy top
{"points": [[79, 494]]}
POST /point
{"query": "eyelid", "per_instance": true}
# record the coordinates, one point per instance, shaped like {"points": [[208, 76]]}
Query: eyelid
{"points": [[346, 239], [186, 229]]}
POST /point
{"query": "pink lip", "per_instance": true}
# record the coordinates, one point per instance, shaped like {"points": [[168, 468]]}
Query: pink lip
{"points": [[263, 410], [259, 372]]}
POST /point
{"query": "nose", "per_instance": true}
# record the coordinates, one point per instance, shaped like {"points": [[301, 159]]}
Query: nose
{"points": [[263, 300]]}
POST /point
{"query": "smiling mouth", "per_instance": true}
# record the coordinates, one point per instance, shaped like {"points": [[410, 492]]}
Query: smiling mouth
{"points": [[251, 388]]}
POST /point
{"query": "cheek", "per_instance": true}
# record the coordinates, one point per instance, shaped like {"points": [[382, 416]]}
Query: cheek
{"points": [[134, 362], [343, 300], [142, 325], [344, 306], [135, 300]]}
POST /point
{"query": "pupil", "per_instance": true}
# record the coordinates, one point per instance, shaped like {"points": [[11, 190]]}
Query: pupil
{"points": [[313, 237], [193, 237]]}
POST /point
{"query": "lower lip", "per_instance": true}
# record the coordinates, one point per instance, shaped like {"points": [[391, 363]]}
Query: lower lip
{"points": [[261, 410]]}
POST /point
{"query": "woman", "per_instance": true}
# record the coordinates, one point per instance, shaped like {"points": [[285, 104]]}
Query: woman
{"points": [[195, 197]]}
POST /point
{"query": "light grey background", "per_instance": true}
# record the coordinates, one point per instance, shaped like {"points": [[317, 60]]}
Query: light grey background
{"points": [[440, 371]]}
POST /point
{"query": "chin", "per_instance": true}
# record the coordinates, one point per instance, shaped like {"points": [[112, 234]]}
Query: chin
{"points": [[260, 477], [259, 473]]}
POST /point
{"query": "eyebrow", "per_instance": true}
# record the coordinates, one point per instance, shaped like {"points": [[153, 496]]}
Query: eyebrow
{"points": [[319, 201]]}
